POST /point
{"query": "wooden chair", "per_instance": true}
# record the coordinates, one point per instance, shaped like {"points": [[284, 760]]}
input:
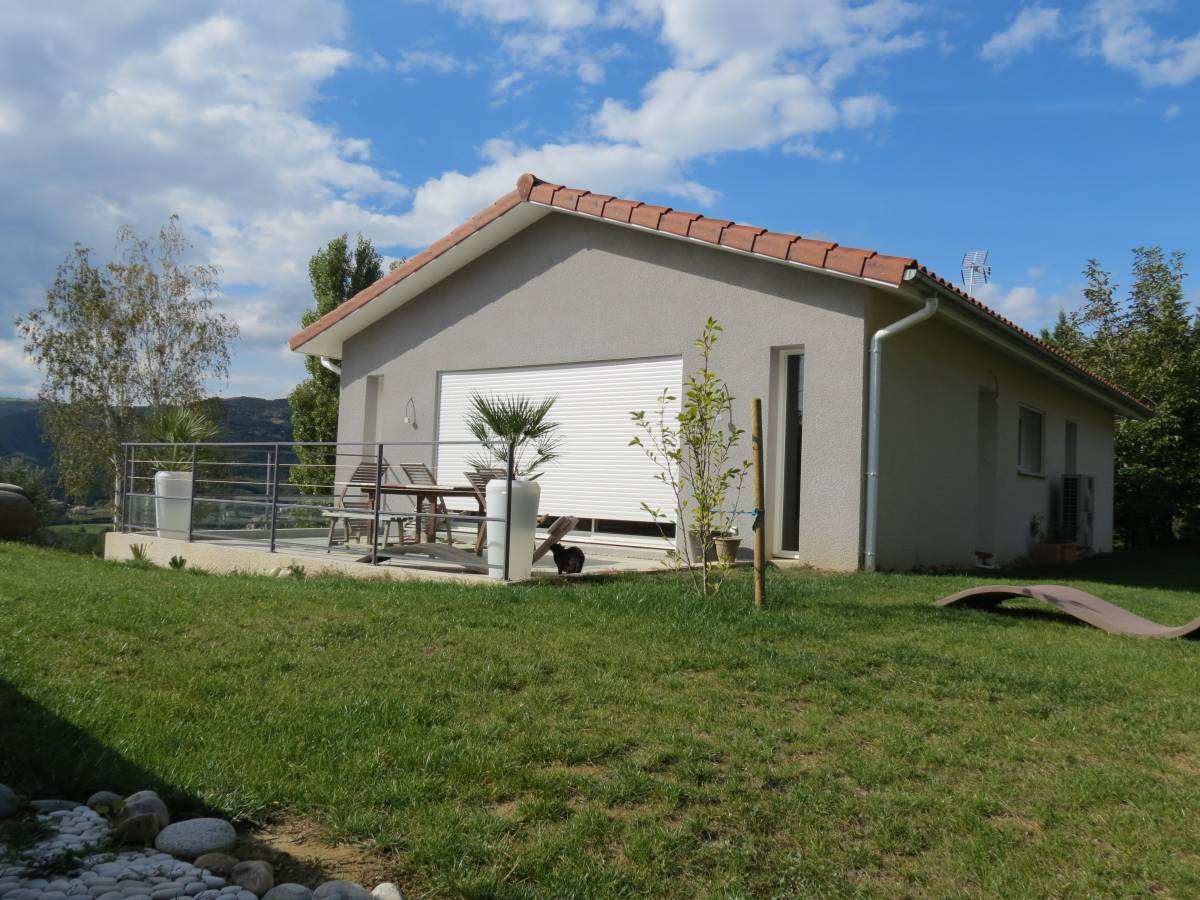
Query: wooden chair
{"points": [[479, 479], [354, 511], [419, 473]]}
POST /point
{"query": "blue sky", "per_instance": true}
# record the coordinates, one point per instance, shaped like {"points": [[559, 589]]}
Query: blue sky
{"points": [[1048, 133]]}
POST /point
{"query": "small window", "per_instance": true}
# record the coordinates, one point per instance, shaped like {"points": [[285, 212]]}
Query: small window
{"points": [[1029, 441]]}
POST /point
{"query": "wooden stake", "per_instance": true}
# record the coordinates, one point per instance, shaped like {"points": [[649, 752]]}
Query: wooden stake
{"points": [[760, 515]]}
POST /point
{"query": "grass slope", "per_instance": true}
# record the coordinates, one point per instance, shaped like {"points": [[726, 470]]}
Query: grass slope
{"points": [[621, 739]]}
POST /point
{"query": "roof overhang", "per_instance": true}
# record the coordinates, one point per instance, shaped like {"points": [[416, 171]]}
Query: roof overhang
{"points": [[964, 314], [534, 199], [329, 340]]}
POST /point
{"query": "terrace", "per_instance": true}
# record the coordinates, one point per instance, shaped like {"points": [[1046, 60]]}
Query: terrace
{"points": [[398, 509]]}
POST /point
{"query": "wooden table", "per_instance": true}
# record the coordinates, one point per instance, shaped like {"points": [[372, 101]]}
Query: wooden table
{"points": [[427, 496]]}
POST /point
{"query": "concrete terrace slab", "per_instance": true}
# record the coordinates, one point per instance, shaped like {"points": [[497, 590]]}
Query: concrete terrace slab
{"points": [[247, 554]]}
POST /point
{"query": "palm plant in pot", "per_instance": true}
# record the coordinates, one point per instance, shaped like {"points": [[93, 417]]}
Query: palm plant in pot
{"points": [[176, 431], [515, 426]]}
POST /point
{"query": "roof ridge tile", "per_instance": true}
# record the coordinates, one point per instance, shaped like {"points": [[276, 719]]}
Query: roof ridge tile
{"points": [[854, 261]]}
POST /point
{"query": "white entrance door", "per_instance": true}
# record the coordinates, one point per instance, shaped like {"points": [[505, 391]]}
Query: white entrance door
{"points": [[598, 475]]}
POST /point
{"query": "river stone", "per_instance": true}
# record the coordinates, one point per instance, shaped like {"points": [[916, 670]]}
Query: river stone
{"points": [[254, 875], [17, 516], [218, 863], [138, 830], [195, 837], [288, 891], [340, 890], [9, 801], [107, 800], [387, 891], [143, 817]]}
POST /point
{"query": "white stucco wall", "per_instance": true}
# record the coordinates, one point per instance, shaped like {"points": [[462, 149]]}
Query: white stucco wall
{"points": [[929, 485], [571, 290]]}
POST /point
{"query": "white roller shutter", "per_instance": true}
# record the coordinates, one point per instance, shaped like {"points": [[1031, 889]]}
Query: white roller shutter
{"points": [[598, 475]]}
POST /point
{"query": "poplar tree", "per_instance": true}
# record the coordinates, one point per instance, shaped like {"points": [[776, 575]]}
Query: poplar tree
{"points": [[337, 273]]}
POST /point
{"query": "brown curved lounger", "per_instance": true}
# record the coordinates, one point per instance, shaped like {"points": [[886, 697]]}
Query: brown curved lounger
{"points": [[1083, 606]]}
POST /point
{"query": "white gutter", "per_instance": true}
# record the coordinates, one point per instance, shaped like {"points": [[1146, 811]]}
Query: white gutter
{"points": [[329, 364], [872, 516]]}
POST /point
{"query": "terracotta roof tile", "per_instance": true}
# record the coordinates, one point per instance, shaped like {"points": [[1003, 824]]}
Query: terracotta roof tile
{"points": [[592, 204], [887, 268], [851, 261], [566, 198], [706, 229], [676, 222], [543, 192], [619, 210], [741, 237], [809, 253], [775, 244], [647, 215], [847, 260]]}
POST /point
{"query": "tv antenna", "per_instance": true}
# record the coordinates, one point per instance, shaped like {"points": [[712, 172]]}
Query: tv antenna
{"points": [[975, 270]]}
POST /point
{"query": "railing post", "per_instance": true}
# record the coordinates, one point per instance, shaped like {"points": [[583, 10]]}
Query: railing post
{"points": [[130, 486], [508, 511], [121, 487], [274, 492], [377, 504], [192, 496]]}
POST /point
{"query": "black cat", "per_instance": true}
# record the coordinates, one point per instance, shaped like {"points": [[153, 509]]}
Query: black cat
{"points": [[568, 559]]}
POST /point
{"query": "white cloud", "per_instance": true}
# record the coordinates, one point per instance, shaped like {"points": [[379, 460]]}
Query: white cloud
{"points": [[741, 104], [550, 13], [864, 111], [414, 60], [704, 32], [116, 116], [1024, 304], [442, 203], [18, 375], [1171, 111], [124, 115], [1118, 31], [1032, 24]]}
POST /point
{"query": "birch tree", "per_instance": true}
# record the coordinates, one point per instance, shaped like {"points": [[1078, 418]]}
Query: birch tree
{"points": [[121, 339]]}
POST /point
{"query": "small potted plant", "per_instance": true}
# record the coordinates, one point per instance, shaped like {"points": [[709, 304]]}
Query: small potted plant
{"points": [[499, 423], [176, 430], [727, 543]]}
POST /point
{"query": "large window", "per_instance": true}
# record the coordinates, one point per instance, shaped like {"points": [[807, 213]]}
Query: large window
{"points": [[1030, 431]]}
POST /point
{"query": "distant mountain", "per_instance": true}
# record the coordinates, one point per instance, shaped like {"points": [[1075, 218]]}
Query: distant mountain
{"points": [[21, 430], [243, 419]]}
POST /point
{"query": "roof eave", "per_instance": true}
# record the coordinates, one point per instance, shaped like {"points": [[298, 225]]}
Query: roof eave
{"points": [[986, 323]]}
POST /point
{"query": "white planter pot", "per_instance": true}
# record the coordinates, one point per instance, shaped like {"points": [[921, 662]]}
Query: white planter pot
{"points": [[526, 495], [172, 504]]}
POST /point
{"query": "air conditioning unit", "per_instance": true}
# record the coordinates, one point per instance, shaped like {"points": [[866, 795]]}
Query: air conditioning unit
{"points": [[1077, 511]]}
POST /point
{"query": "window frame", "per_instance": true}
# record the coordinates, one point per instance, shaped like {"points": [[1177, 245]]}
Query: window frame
{"points": [[1022, 468]]}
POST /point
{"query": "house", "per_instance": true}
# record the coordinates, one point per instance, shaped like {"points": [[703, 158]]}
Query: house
{"points": [[973, 420]]}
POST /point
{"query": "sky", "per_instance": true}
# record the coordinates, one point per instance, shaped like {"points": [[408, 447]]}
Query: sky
{"points": [[1047, 133]]}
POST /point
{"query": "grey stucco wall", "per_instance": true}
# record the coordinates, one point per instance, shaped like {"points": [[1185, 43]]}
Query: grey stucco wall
{"points": [[570, 290], [929, 486]]}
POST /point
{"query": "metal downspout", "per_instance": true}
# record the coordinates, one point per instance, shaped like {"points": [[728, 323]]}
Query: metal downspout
{"points": [[329, 364], [872, 514]]}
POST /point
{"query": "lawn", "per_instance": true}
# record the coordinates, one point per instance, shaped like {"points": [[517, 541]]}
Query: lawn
{"points": [[619, 738]]}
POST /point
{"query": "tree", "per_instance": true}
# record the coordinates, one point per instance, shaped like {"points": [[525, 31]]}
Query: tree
{"points": [[1150, 345], [112, 339], [337, 274], [693, 450]]}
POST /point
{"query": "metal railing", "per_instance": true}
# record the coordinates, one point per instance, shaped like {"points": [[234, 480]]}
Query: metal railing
{"points": [[281, 493]]}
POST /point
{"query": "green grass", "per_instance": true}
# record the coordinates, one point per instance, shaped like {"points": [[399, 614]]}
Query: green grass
{"points": [[622, 739]]}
